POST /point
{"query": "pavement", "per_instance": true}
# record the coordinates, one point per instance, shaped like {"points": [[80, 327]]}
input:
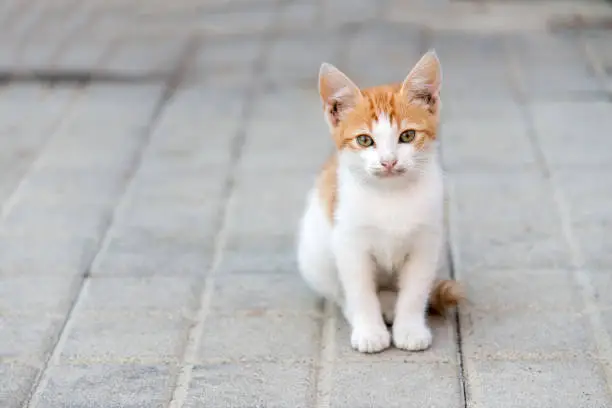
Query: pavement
{"points": [[155, 157]]}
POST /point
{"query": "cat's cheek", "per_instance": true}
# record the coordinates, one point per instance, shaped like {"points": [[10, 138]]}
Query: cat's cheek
{"points": [[406, 156], [370, 159], [351, 160]]}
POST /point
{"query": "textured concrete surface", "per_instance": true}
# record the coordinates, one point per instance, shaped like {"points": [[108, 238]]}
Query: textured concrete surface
{"points": [[154, 160]]}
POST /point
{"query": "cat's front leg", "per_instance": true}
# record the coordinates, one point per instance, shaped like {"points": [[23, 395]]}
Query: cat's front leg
{"points": [[415, 280], [356, 271]]}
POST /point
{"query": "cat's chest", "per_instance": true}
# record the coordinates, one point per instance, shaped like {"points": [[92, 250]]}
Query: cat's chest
{"points": [[389, 223], [388, 250], [393, 216]]}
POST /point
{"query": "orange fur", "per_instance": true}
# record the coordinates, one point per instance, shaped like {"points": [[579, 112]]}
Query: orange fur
{"points": [[445, 295], [327, 185]]}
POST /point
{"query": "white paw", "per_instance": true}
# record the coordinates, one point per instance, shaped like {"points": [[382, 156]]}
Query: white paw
{"points": [[413, 337], [370, 339]]}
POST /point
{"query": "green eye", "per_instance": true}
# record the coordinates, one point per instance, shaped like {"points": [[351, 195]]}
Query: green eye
{"points": [[407, 136], [364, 140]]}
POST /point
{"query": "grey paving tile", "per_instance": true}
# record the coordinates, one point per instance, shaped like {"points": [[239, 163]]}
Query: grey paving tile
{"points": [[465, 112], [130, 108], [83, 52], [91, 185], [28, 337], [340, 12], [382, 43], [258, 335], [37, 237], [128, 337], [476, 145], [247, 22], [29, 114], [146, 252], [40, 294], [606, 317], [144, 294], [228, 54], [525, 333], [35, 255], [555, 124], [602, 285], [572, 383], [587, 194], [263, 292], [57, 219], [28, 109], [142, 56], [251, 384], [301, 110], [299, 14], [273, 241], [302, 135], [90, 153], [511, 289], [237, 78], [306, 163], [395, 384], [513, 227], [299, 59], [177, 185], [107, 385], [566, 81], [472, 45], [553, 65], [123, 258], [240, 261], [144, 235], [289, 104], [165, 221], [473, 59], [15, 382], [274, 208], [597, 40]]}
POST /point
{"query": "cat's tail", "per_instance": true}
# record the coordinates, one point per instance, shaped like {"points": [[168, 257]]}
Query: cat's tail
{"points": [[445, 295]]}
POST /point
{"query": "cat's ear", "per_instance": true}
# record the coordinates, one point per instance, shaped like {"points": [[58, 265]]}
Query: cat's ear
{"points": [[338, 93], [423, 83]]}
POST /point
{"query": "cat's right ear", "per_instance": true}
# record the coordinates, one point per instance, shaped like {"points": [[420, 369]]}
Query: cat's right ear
{"points": [[338, 93]]}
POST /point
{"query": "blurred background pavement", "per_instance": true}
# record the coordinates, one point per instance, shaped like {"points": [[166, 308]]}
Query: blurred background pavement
{"points": [[154, 160]]}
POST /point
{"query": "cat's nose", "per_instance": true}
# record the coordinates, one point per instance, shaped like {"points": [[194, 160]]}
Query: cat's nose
{"points": [[388, 164]]}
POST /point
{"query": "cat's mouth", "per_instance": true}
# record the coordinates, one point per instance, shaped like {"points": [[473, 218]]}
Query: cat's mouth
{"points": [[390, 173]]}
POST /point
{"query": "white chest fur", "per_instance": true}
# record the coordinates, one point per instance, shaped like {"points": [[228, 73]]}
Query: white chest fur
{"points": [[387, 219]]}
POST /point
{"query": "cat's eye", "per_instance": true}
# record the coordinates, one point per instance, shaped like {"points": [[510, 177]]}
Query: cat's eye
{"points": [[407, 136], [364, 140]]}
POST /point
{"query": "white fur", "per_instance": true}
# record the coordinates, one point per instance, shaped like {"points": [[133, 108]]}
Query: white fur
{"points": [[387, 233]]}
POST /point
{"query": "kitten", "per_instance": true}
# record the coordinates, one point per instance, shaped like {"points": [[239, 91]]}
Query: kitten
{"points": [[372, 232]]}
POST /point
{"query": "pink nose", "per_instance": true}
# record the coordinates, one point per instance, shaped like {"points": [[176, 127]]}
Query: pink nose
{"points": [[388, 164]]}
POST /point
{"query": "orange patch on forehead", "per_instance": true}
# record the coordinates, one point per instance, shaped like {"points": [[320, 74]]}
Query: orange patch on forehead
{"points": [[385, 100]]}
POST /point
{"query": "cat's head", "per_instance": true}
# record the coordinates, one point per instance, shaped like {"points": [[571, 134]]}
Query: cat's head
{"points": [[384, 132]]}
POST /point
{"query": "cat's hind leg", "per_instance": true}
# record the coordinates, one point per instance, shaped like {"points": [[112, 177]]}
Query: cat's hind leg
{"points": [[314, 253]]}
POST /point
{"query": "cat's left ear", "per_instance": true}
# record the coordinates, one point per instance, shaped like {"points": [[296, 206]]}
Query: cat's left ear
{"points": [[423, 83]]}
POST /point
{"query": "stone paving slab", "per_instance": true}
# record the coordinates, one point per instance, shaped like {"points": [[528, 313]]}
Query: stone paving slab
{"points": [[152, 177]]}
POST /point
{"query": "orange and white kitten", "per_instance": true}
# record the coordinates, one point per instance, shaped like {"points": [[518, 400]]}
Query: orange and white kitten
{"points": [[372, 232]]}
